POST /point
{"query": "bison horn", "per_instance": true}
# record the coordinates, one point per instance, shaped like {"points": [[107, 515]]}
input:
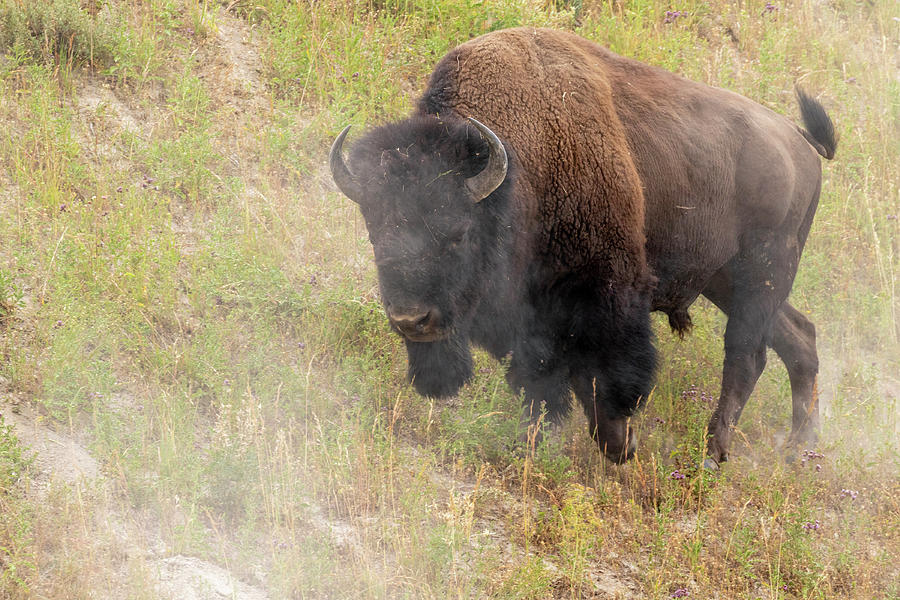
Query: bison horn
{"points": [[489, 179], [342, 176]]}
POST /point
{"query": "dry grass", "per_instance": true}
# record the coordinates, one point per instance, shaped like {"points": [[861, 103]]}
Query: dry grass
{"points": [[186, 293]]}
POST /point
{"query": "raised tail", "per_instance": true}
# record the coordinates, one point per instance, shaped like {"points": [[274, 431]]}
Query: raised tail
{"points": [[819, 130]]}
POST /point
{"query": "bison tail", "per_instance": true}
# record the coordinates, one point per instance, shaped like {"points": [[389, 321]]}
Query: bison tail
{"points": [[819, 130]]}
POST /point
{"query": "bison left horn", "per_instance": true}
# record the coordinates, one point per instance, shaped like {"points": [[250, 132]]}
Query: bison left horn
{"points": [[489, 179], [342, 176]]}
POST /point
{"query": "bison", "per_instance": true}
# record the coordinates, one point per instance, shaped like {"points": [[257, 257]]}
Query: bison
{"points": [[546, 195]]}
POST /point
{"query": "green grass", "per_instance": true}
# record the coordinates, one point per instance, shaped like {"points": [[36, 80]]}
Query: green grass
{"points": [[183, 290]]}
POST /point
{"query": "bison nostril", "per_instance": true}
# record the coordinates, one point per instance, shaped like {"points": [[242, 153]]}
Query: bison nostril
{"points": [[422, 322]]}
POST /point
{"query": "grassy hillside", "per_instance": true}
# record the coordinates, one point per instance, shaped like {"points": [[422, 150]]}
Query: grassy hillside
{"points": [[185, 295]]}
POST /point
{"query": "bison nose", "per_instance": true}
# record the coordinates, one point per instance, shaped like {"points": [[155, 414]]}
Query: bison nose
{"points": [[414, 324]]}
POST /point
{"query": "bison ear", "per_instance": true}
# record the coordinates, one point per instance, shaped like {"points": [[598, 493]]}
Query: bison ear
{"points": [[483, 184], [342, 176]]}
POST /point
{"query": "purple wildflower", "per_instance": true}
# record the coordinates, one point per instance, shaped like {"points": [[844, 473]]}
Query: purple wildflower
{"points": [[769, 8], [680, 593], [852, 494], [811, 455], [676, 474], [812, 525], [693, 393], [672, 15]]}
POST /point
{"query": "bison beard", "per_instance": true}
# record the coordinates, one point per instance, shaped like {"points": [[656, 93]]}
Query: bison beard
{"points": [[438, 369], [598, 190]]}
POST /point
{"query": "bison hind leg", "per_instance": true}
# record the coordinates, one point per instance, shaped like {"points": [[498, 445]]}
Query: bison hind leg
{"points": [[794, 340]]}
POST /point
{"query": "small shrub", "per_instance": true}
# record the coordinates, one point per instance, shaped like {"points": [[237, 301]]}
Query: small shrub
{"points": [[10, 297], [57, 32], [12, 461]]}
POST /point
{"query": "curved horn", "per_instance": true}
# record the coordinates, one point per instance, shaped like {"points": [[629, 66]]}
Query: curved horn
{"points": [[489, 179], [342, 176]]}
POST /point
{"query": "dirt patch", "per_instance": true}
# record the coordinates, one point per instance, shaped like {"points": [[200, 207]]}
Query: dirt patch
{"points": [[230, 66], [98, 99], [106, 121], [55, 455], [188, 578], [240, 60]]}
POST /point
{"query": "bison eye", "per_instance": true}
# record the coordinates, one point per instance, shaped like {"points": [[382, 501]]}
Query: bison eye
{"points": [[454, 238]]}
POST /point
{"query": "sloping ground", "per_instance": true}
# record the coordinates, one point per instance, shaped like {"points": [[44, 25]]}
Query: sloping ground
{"points": [[59, 459], [302, 467], [59, 462]]}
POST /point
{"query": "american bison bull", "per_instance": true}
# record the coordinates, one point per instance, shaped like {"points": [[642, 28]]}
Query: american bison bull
{"points": [[547, 194]]}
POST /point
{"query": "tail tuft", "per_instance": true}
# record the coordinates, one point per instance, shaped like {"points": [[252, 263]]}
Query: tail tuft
{"points": [[819, 128]]}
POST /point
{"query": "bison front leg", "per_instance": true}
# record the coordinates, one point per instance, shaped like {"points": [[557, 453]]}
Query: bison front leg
{"points": [[613, 433], [612, 385]]}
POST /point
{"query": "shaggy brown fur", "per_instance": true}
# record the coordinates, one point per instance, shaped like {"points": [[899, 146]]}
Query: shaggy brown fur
{"points": [[542, 93]]}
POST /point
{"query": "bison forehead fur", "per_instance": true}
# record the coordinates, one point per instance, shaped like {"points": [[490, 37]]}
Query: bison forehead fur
{"points": [[627, 189]]}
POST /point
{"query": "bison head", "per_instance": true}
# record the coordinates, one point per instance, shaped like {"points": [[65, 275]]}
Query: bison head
{"points": [[426, 188]]}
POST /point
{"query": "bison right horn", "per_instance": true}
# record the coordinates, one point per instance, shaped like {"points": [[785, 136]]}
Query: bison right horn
{"points": [[342, 176], [489, 179]]}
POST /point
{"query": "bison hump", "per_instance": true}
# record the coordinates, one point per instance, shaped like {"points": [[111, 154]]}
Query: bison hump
{"points": [[546, 94]]}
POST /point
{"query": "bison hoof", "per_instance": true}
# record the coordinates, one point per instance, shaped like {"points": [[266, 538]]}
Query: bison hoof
{"points": [[792, 447], [710, 464], [619, 458]]}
